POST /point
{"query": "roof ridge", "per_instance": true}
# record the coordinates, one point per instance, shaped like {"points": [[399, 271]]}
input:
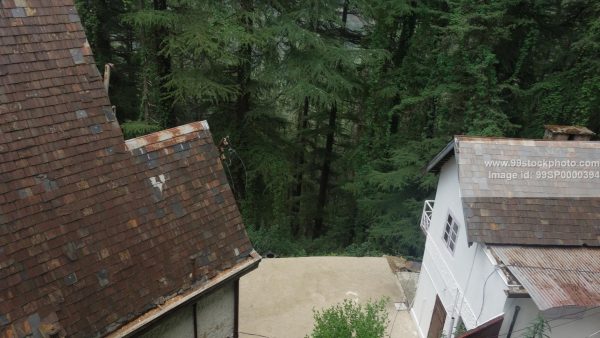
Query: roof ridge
{"points": [[167, 134]]}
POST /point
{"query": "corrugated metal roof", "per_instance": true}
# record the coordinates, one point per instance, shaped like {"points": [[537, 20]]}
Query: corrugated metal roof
{"points": [[555, 276]]}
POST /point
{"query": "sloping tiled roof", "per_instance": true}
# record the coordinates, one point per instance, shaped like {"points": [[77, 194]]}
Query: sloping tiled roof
{"points": [[480, 157], [534, 210], [555, 277], [95, 231], [528, 210], [541, 221]]}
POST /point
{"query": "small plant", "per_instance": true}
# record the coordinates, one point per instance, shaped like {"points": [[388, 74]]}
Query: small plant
{"points": [[350, 319], [460, 328], [133, 129], [275, 239], [539, 328]]}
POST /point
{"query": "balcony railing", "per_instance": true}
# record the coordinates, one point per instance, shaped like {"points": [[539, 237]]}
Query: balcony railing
{"points": [[426, 216]]}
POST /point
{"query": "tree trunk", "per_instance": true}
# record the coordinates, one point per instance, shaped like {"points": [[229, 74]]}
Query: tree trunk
{"points": [[409, 23], [345, 13], [163, 67], [102, 48], [299, 177], [325, 173], [431, 117], [243, 101], [244, 69]]}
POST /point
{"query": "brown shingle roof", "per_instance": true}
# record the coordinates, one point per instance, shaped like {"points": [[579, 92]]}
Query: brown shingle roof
{"points": [[541, 221], [95, 231]]}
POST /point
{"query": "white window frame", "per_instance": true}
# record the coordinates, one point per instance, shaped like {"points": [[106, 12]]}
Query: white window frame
{"points": [[450, 229]]}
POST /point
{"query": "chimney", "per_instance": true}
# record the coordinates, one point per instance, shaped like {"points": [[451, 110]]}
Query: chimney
{"points": [[567, 133]]}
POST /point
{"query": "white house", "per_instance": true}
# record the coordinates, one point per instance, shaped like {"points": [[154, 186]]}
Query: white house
{"points": [[513, 234]]}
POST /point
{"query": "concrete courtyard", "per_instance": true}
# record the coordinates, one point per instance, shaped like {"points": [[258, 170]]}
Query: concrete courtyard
{"points": [[277, 299]]}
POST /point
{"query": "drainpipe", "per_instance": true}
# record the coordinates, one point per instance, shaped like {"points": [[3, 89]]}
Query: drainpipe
{"points": [[453, 318], [512, 322], [462, 301]]}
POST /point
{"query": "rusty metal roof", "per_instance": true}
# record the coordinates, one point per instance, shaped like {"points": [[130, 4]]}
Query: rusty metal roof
{"points": [[570, 130], [555, 277]]}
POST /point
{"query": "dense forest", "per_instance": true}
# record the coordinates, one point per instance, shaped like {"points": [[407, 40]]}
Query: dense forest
{"points": [[331, 108]]}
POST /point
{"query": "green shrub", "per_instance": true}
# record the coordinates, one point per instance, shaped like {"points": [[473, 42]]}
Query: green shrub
{"points": [[277, 240], [351, 320], [133, 129], [364, 249], [539, 328]]}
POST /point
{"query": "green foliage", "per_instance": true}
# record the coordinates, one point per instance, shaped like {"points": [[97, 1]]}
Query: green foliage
{"points": [[275, 239], [460, 328], [114, 41], [539, 328], [404, 77], [351, 319], [133, 129]]}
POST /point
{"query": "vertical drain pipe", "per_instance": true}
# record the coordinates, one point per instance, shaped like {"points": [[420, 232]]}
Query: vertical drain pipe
{"points": [[195, 320], [512, 322]]}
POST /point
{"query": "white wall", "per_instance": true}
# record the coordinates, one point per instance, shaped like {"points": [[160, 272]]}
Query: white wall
{"points": [[581, 326], [214, 318], [215, 313], [176, 324], [448, 273], [424, 300]]}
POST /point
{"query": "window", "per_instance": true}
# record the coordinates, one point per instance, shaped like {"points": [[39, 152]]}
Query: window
{"points": [[450, 233]]}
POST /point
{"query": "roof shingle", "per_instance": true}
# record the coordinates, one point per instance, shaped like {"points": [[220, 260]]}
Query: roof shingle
{"points": [[502, 205], [95, 231]]}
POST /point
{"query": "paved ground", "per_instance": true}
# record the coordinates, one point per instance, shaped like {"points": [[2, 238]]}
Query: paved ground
{"points": [[277, 299]]}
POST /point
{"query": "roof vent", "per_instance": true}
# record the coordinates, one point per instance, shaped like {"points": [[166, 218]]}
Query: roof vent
{"points": [[567, 133]]}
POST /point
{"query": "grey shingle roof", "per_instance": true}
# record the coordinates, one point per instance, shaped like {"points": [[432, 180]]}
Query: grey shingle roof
{"points": [[562, 209]]}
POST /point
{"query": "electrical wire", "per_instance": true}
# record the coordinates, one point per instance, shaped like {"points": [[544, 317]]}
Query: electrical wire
{"points": [[228, 160], [253, 334], [483, 296], [551, 269], [393, 323], [593, 334], [551, 320], [576, 319], [228, 172], [243, 164], [462, 302]]}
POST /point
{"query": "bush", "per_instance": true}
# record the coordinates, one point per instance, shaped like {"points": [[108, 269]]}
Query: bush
{"points": [[539, 328], [277, 240], [350, 319], [133, 129]]}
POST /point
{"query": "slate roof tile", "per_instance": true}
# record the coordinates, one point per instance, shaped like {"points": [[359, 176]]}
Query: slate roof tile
{"points": [[85, 215], [528, 212]]}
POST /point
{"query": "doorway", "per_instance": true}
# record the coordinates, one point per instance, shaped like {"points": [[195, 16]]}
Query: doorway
{"points": [[438, 318]]}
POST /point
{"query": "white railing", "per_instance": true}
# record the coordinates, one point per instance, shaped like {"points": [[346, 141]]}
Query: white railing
{"points": [[426, 216]]}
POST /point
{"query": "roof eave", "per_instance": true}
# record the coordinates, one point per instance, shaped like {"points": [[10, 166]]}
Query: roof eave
{"points": [[145, 320], [435, 165]]}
